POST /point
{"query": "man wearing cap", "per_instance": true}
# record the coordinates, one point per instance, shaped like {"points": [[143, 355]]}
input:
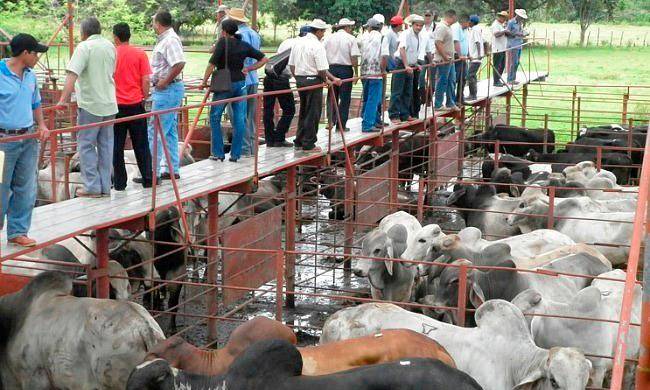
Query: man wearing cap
{"points": [[90, 75], [443, 57], [308, 64], [412, 44], [461, 47], [20, 106], [343, 56], [251, 37], [516, 34], [499, 47], [275, 134], [222, 14], [373, 62], [392, 40], [476, 54], [382, 20], [430, 18]]}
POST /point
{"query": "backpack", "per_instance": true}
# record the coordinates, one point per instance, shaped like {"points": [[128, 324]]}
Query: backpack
{"points": [[277, 65]]}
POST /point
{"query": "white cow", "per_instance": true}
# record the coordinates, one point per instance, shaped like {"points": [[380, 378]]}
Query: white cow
{"points": [[52, 340], [499, 353], [601, 300], [587, 203]]}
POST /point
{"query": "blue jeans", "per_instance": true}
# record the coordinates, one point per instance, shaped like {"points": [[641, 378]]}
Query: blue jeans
{"points": [[364, 99], [238, 121], [515, 54], [18, 185], [445, 84], [401, 94], [95, 147], [170, 97], [372, 91], [250, 136]]}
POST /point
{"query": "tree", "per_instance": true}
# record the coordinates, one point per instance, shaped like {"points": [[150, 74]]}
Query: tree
{"points": [[358, 10], [186, 13], [588, 11], [281, 11]]}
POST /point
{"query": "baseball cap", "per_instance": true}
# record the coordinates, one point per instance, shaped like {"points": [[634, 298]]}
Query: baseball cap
{"points": [[304, 30], [396, 20], [474, 19], [22, 42], [373, 23], [380, 18]]}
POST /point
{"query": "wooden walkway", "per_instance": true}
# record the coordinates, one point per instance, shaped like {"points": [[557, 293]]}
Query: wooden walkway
{"points": [[55, 222]]}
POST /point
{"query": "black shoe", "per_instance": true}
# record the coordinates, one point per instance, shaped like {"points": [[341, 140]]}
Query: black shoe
{"points": [[297, 145], [119, 189], [346, 129], [167, 176], [232, 159], [148, 184], [140, 181], [215, 158], [271, 144], [282, 144]]}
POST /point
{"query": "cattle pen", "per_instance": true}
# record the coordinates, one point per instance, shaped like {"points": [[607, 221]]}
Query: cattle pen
{"points": [[289, 253]]}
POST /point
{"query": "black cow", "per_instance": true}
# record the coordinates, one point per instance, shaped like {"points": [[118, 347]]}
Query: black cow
{"points": [[513, 163], [618, 163], [277, 365], [507, 133]]}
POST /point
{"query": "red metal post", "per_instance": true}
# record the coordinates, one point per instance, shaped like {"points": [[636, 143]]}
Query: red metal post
{"points": [[279, 264], [599, 158], [462, 294], [349, 211], [54, 148], [643, 368], [101, 237], [497, 147], [70, 27], [524, 102], [551, 208], [394, 170], [290, 234], [421, 185], [213, 258], [508, 107]]}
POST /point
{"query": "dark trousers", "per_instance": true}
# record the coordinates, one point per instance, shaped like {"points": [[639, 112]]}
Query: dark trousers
{"points": [[499, 63], [311, 105], [415, 95], [342, 94], [471, 77], [139, 139], [461, 78], [272, 132], [401, 89]]}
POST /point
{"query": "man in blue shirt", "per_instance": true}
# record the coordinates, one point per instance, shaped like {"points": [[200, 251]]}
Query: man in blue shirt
{"points": [[515, 33], [20, 105], [461, 44], [251, 37]]}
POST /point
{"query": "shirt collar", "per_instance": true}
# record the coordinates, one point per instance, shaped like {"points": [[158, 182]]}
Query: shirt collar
{"points": [[4, 69], [312, 36], [93, 37], [162, 36]]}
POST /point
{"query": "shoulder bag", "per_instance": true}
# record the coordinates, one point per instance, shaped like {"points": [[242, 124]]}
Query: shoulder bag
{"points": [[220, 81]]}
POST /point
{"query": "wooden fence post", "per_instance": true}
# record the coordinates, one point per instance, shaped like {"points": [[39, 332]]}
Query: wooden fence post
{"points": [[621, 42], [598, 37], [568, 41]]}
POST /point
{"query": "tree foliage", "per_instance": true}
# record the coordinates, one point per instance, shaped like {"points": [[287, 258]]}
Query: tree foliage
{"points": [[358, 10], [185, 13]]}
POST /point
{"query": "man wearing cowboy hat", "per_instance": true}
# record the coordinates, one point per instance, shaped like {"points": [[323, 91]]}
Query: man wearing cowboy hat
{"points": [[308, 64], [499, 46], [443, 57], [343, 56], [516, 34], [222, 14], [251, 37]]}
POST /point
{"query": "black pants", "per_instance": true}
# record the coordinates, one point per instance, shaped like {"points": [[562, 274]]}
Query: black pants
{"points": [[311, 105], [471, 77], [499, 63], [139, 139], [461, 78], [342, 94], [415, 96], [272, 132]]}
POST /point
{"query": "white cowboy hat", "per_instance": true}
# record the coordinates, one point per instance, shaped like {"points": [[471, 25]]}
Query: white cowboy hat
{"points": [[223, 8], [380, 18], [521, 13], [345, 22], [415, 18], [318, 24], [237, 14]]}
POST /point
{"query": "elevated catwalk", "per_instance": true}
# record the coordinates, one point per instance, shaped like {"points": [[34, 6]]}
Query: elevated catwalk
{"points": [[58, 221]]}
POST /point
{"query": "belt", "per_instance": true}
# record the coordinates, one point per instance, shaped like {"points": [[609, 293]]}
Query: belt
{"points": [[14, 131]]}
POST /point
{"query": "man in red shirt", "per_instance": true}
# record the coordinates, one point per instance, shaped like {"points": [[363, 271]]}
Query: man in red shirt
{"points": [[132, 73]]}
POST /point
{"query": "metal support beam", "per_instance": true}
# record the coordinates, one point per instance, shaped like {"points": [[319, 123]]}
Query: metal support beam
{"points": [[394, 170], [290, 235], [103, 287], [213, 265], [349, 212], [70, 27]]}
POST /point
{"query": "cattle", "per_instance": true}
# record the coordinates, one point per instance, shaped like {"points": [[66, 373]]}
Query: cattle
{"points": [[525, 137], [515, 164], [618, 163], [52, 340], [410, 223], [425, 246], [584, 144], [277, 365], [602, 188], [602, 300], [44, 185], [591, 227], [482, 209], [499, 353]]}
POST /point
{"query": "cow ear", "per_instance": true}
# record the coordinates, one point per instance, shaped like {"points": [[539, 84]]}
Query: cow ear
{"points": [[476, 295], [529, 382], [457, 194], [514, 191]]}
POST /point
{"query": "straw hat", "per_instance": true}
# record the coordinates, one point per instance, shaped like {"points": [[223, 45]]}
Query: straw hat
{"points": [[503, 13], [237, 14], [345, 22], [318, 24], [415, 18], [521, 13]]}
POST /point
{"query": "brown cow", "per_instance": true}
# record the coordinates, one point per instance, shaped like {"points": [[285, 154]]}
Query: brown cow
{"points": [[384, 347], [183, 355]]}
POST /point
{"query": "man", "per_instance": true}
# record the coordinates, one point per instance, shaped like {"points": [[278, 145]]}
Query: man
{"points": [[308, 64], [251, 37], [20, 105], [430, 19], [476, 54], [167, 63], [90, 74], [373, 63], [461, 47], [516, 34], [222, 14], [343, 56], [275, 135], [445, 69], [132, 79], [409, 49], [392, 39], [499, 46]]}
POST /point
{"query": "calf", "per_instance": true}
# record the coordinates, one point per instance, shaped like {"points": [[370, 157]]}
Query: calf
{"points": [[499, 353], [618, 163], [277, 365], [508, 133], [513, 163]]}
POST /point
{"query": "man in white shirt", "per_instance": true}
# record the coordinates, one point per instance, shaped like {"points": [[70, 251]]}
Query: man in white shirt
{"points": [[412, 45], [374, 50], [430, 19], [499, 46], [476, 54], [308, 64], [343, 56], [443, 57]]}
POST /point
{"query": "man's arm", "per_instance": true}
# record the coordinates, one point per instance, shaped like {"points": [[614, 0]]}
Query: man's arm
{"points": [[173, 72], [208, 71], [402, 54], [256, 65], [440, 47], [43, 131], [293, 70], [328, 77], [68, 87], [146, 85]]}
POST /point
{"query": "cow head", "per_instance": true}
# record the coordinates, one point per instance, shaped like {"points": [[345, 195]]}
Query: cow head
{"points": [[424, 246], [381, 244], [154, 374], [530, 214], [532, 155], [529, 302], [565, 369]]}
